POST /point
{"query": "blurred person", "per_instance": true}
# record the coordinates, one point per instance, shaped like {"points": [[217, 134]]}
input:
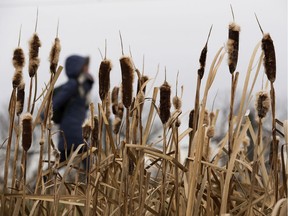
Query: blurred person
{"points": [[71, 102]]}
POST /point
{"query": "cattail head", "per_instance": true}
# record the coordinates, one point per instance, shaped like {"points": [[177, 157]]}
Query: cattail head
{"points": [[191, 119], [95, 131], [114, 98], [269, 57], [211, 117], [34, 45], [165, 103], [20, 98], [142, 80], [127, 71], [210, 132], [206, 118], [116, 125], [54, 55], [202, 61], [233, 46], [17, 78], [26, 131], [262, 103], [104, 78], [18, 58], [177, 102], [108, 104], [86, 129], [178, 122], [120, 110]]}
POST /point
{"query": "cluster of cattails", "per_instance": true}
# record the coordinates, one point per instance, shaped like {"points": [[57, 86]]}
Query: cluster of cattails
{"points": [[233, 46], [127, 71], [27, 131], [34, 61], [104, 78], [117, 109], [165, 103], [54, 55], [262, 104]]}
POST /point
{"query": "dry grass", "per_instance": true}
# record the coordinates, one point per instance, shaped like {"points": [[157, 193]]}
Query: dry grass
{"points": [[130, 176]]}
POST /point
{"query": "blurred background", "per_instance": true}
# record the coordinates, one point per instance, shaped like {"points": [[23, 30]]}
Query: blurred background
{"points": [[168, 33]]}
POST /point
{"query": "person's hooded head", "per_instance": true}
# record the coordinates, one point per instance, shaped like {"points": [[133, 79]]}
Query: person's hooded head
{"points": [[75, 65]]}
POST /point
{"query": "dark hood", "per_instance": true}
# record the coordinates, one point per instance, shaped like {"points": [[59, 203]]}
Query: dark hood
{"points": [[74, 65]]}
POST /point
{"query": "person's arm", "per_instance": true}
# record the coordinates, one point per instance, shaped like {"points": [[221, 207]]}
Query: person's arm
{"points": [[68, 90]]}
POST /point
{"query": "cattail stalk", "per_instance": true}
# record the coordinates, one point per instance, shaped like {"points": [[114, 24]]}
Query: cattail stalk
{"points": [[201, 70], [270, 71], [262, 107]]}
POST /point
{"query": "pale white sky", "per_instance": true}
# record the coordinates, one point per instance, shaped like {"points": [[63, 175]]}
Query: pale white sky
{"points": [[171, 33]]}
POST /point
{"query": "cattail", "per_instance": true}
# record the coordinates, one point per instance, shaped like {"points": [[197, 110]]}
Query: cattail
{"points": [[120, 110], [210, 132], [108, 104], [127, 70], [86, 129], [26, 131], [269, 57], [262, 103], [233, 46], [104, 78], [211, 117], [141, 97], [203, 56], [191, 119], [17, 78], [34, 61], [20, 98], [54, 55], [177, 122], [18, 58], [116, 125], [165, 104], [114, 98], [142, 80], [206, 118], [202, 61], [95, 131], [177, 102]]}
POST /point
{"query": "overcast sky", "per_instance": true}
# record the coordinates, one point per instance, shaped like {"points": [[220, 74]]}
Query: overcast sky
{"points": [[169, 33]]}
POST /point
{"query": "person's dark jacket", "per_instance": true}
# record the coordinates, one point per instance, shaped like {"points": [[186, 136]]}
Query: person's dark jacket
{"points": [[74, 94]]}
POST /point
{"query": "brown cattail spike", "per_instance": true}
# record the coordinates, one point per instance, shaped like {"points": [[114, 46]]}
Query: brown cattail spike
{"points": [[17, 78], [26, 131], [142, 81], [54, 55], [165, 104], [114, 98], [262, 103], [233, 46], [20, 98], [34, 61], [18, 58], [95, 131], [127, 70], [191, 119], [177, 102], [203, 56], [86, 129], [269, 57], [104, 78]]}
